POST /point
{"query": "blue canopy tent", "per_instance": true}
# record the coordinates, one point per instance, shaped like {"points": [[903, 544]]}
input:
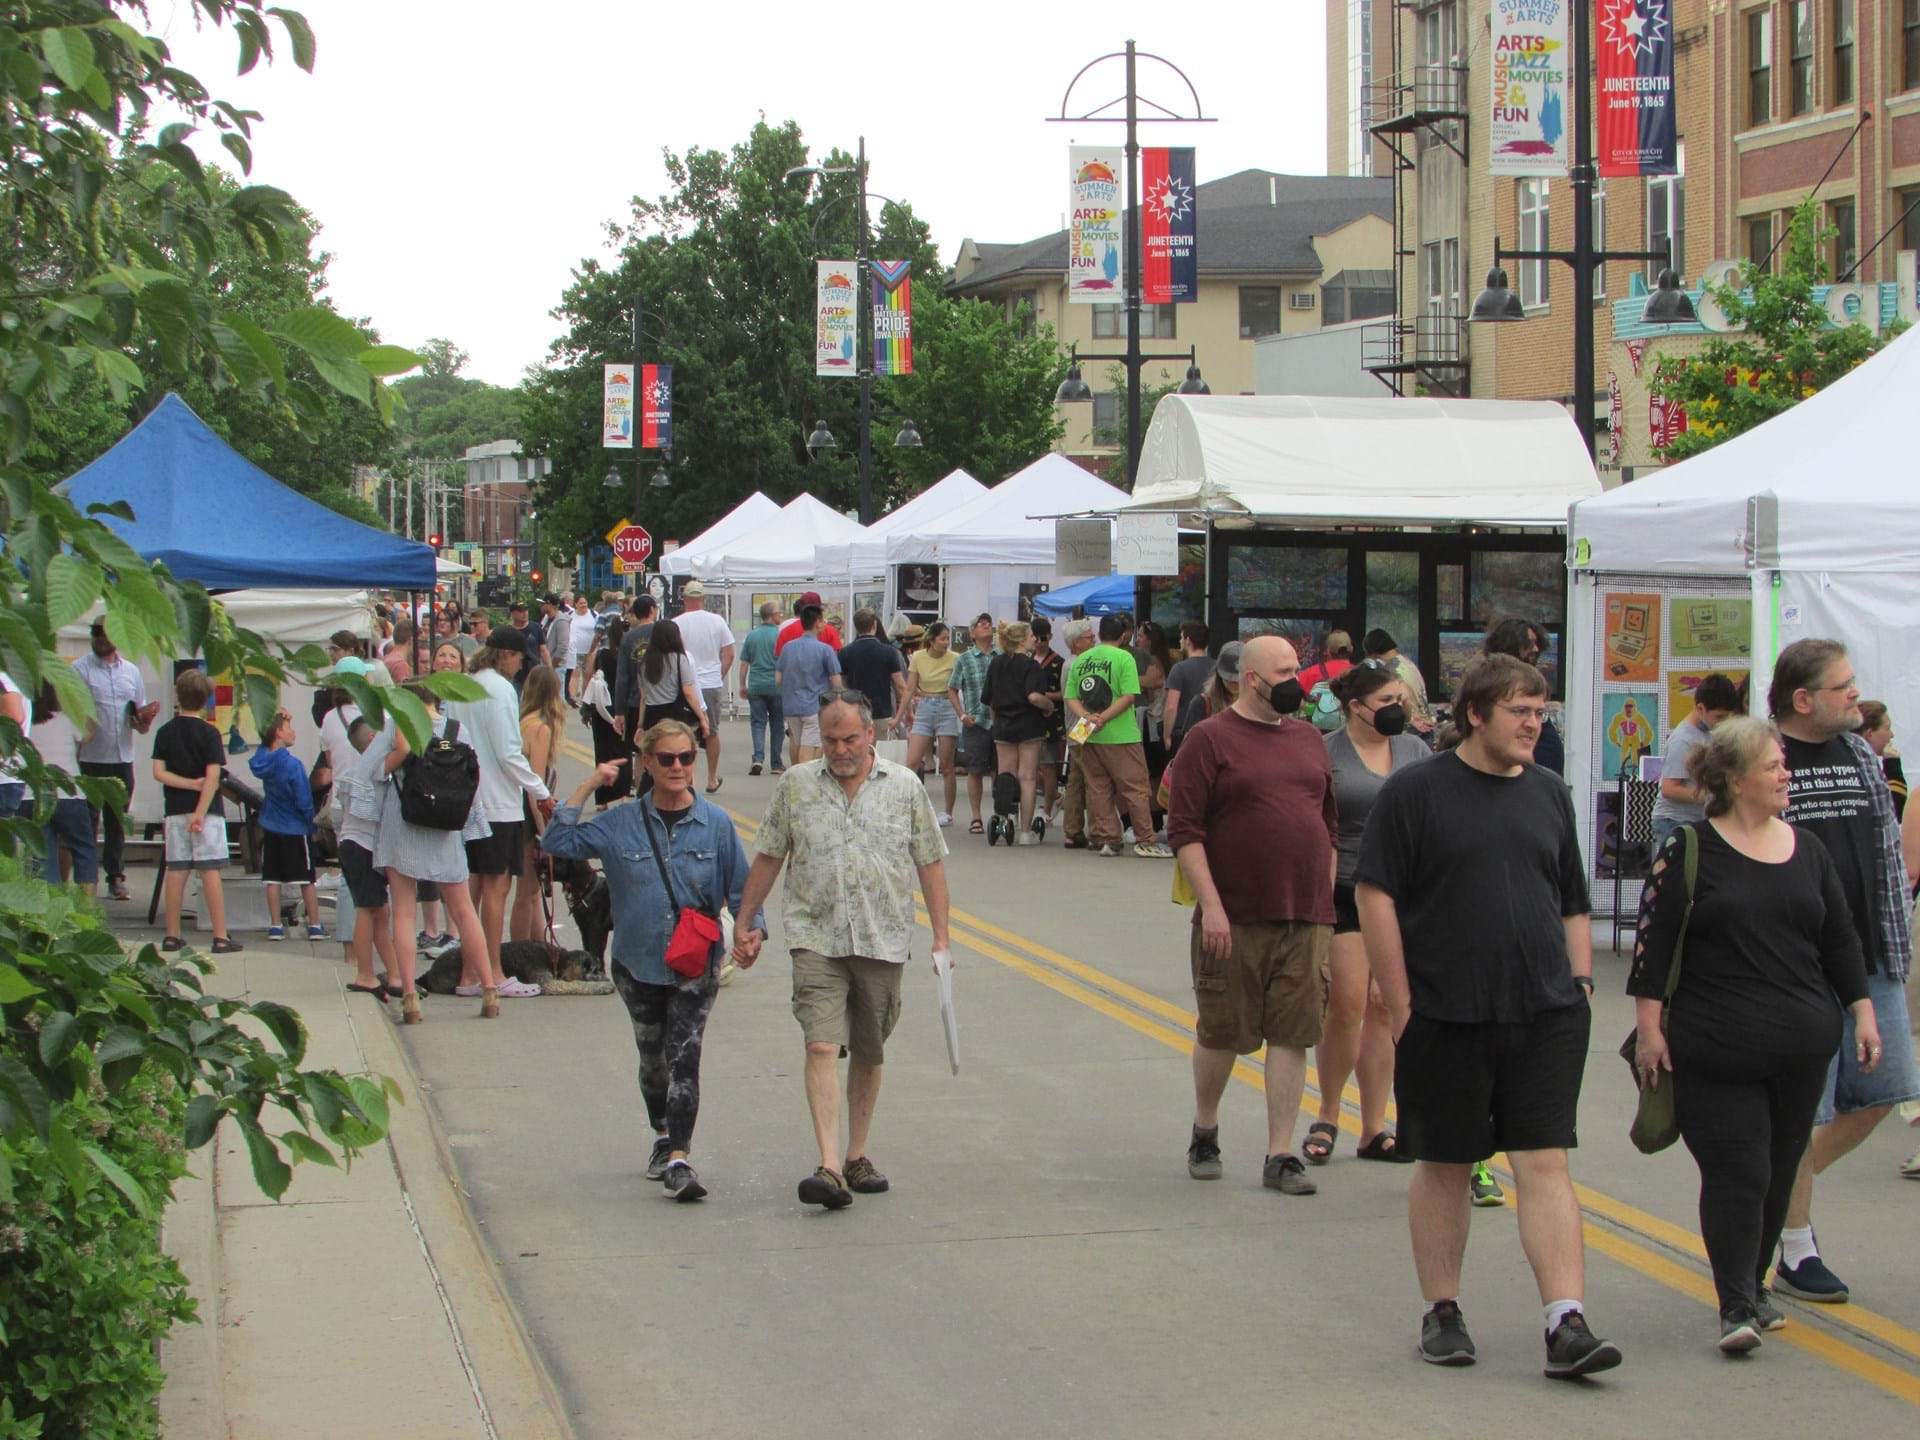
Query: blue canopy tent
{"points": [[214, 516], [1102, 595]]}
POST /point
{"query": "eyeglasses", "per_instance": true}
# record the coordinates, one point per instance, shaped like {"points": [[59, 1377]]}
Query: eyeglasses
{"points": [[1535, 713], [1847, 684], [674, 758]]}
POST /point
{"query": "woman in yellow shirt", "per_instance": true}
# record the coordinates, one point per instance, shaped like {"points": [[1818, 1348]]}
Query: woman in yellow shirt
{"points": [[928, 714]]}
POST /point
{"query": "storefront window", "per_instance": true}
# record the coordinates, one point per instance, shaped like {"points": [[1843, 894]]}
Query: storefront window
{"points": [[1287, 577], [1393, 598], [1523, 584], [1180, 597], [1450, 591], [1308, 637]]}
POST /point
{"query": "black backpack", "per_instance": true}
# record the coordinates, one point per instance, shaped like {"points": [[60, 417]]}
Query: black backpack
{"points": [[437, 785]]}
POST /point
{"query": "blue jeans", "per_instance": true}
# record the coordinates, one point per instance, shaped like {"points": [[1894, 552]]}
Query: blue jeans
{"points": [[72, 827], [764, 713]]}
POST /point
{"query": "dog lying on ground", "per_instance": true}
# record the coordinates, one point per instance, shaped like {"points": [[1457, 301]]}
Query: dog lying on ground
{"points": [[556, 970]]}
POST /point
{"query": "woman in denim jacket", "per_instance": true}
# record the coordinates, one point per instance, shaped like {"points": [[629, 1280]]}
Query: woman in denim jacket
{"points": [[703, 854]]}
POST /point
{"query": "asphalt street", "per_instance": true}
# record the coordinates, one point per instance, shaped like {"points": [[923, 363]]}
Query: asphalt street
{"points": [[1043, 1265]]}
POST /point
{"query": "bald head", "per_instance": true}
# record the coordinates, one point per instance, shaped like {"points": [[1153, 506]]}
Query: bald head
{"points": [[1266, 654], [1266, 662]]}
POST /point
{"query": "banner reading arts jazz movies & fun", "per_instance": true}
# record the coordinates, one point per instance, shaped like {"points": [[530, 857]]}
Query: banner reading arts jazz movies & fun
{"points": [[1638, 133], [1095, 252], [1170, 254], [1527, 126], [616, 408], [836, 319], [656, 407], [892, 317]]}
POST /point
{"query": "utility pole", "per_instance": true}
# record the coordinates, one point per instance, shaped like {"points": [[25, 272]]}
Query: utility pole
{"points": [[864, 315], [409, 502]]}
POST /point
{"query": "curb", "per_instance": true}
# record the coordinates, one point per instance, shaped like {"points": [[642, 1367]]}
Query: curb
{"points": [[193, 1399]]}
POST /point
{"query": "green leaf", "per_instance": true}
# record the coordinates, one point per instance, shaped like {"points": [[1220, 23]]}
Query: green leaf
{"points": [[195, 609], [120, 373], [76, 696], [323, 1094], [81, 307], [22, 650], [387, 361], [73, 585], [119, 509], [270, 1172], [123, 1182], [22, 1093], [345, 376], [452, 685], [122, 1042], [131, 635], [70, 56], [263, 696], [301, 34], [410, 717], [15, 986], [175, 133], [285, 1026], [322, 334], [240, 151], [247, 350], [58, 1037], [71, 1159], [203, 1119], [305, 1147]]}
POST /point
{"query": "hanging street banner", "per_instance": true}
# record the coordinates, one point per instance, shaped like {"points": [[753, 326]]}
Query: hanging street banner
{"points": [[836, 319], [892, 317], [1170, 253], [616, 408], [656, 407], [1096, 251], [1527, 126], [1638, 133]]}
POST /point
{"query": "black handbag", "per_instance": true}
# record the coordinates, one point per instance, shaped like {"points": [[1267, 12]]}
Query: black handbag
{"points": [[1655, 1126]]}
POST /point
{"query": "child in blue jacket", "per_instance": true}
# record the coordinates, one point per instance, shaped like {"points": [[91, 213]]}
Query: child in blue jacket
{"points": [[287, 818]]}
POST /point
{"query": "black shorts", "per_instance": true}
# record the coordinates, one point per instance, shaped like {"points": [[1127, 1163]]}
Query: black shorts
{"points": [[426, 893], [1466, 1091], [1346, 910], [499, 853], [977, 755], [366, 885], [286, 859]]}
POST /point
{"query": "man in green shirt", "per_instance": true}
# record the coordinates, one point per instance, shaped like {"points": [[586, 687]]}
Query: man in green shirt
{"points": [[761, 689], [1102, 687]]}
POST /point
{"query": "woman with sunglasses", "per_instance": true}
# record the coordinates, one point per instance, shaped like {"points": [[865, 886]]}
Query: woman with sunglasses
{"points": [[670, 850]]}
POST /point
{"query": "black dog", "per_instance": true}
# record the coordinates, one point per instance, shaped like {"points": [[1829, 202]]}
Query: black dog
{"points": [[534, 962]]}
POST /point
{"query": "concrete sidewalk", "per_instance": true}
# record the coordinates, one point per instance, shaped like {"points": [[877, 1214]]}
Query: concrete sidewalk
{"points": [[363, 1304]]}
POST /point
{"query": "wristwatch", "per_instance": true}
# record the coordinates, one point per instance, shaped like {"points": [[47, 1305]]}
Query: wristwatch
{"points": [[1586, 980]]}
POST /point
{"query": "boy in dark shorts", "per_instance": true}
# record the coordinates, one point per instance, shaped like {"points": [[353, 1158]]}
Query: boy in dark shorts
{"points": [[286, 820], [188, 762]]}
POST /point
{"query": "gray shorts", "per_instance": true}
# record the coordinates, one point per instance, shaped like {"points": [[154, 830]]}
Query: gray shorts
{"points": [[1895, 1080], [710, 699]]}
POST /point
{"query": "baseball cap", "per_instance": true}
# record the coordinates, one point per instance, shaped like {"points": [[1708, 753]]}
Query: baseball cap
{"points": [[812, 597], [694, 589], [1227, 663], [505, 637]]}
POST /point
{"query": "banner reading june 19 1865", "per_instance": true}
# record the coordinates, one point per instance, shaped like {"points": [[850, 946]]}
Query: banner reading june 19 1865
{"points": [[1638, 135]]}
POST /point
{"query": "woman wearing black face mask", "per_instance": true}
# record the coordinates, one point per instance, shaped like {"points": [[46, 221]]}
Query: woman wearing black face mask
{"points": [[1356, 1039]]}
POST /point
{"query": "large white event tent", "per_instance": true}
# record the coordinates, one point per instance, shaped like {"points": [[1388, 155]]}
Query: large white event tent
{"points": [[778, 554], [848, 562], [746, 517], [989, 547], [1806, 526]]}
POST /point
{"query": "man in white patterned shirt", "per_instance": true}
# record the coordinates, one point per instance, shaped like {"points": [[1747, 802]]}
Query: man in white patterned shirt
{"points": [[858, 830]]}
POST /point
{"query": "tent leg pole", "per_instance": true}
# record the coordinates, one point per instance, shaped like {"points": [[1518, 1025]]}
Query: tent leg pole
{"points": [[1765, 620]]}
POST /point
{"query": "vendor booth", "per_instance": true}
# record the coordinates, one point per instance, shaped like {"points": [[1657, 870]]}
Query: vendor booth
{"points": [[1306, 514], [1806, 527], [746, 517], [995, 551], [1101, 595], [857, 567]]}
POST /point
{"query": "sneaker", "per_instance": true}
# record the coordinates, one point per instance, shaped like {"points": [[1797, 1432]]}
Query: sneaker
{"points": [[1026, 837], [1770, 1315], [754, 768], [1286, 1174], [1739, 1333], [316, 932], [823, 1187], [864, 1179], [1076, 842], [657, 1160], [1203, 1154], [1443, 1336], [682, 1183], [1127, 837], [1110, 852], [423, 940], [779, 769], [1484, 1189], [1573, 1350], [1153, 850], [1811, 1280], [276, 932], [944, 819], [446, 938]]}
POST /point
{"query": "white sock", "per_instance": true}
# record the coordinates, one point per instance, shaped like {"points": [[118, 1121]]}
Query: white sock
{"points": [[1558, 1310], [1797, 1245]]}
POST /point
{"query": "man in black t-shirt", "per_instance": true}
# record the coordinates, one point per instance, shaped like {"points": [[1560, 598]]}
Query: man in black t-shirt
{"points": [[189, 761], [1838, 792], [1473, 904], [876, 669]]}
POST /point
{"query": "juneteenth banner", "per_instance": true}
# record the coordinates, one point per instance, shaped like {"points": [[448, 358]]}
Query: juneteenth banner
{"points": [[1170, 254], [892, 317], [1638, 135], [616, 408], [1527, 127], [1095, 250], [836, 319], [656, 407]]}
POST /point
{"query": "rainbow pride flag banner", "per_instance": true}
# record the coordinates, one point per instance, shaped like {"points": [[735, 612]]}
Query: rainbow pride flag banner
{"points": [[892, 317]]}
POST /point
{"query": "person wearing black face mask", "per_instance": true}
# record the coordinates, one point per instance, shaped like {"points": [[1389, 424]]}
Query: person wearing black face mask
{"points": [[1372, 745]]}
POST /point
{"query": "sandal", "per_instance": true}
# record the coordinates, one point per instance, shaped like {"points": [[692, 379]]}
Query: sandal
{"points": [[378, 992], [1318, 1146], [1384, 1146], [173, 942], [223, 946], [976, 828], [717, 782]]}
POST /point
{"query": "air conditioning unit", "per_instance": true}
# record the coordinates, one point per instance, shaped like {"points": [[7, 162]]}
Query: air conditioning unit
{"points": [[1300, 300]]}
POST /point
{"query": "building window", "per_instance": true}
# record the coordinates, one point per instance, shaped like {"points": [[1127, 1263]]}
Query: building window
{"points": [[1156, 322], [1800, 65], [1109, 418], [1906, 203], [1535, 202], [1667, 216], [1259, 311], [1022, 307], [1760, 243], [1437, 83], [1842, 52], [1846, 241], [1760, 66], [1600, 238], [1910, 43], [1359, 86]]}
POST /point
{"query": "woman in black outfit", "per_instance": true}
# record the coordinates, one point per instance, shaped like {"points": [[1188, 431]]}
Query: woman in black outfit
{"points": [[1017, 692], [596, 703], [1770, 957]]}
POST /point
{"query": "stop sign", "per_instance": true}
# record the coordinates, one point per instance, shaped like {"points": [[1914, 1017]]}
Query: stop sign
{"points": [[631, 545]]}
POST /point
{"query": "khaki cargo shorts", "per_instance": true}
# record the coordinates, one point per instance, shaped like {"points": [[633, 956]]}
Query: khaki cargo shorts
{"points": [[1271, 989], [847, 1000]]}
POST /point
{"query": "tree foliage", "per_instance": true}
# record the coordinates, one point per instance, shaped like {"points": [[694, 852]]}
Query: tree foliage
{"points": [[1788, 352], [445, 412]]}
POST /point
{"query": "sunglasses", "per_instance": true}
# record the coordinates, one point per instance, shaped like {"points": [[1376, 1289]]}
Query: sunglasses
{"points": [[674, 757]]}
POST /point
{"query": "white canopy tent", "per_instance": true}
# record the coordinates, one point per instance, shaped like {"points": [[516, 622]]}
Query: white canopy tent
{"points": [[444, 567], [1806, 526], [865, 557], [1311, 460], [746, 517], [779, 553]]}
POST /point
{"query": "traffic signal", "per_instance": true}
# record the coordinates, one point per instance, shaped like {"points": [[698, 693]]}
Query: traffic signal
{"points": [[534, 576], [434, 541]]}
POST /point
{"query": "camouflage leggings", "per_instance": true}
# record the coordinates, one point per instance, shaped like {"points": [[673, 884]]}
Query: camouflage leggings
{"points": [[669, 1023]]}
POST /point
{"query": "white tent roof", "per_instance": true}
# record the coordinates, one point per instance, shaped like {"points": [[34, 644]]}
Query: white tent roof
{"points": [[746, 517], [780, 551], [1827, 485], [867, 555], [444, 566], [999, 528], [1327, 460]]}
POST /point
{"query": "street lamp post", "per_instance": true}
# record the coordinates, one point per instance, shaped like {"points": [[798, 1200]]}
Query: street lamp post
{"points": [[1667, 305], [1074, 388]]}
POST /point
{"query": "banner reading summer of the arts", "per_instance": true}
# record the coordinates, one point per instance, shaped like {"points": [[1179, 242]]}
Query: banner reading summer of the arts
{"points": [[1170, 252], [616, 408], [1638, 133], [892, 317], [1096, 253], [1527, 126], [656, 407], [836, 320]]}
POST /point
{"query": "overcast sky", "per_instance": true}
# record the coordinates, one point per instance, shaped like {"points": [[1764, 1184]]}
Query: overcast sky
{"points": [[463, 158]]}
